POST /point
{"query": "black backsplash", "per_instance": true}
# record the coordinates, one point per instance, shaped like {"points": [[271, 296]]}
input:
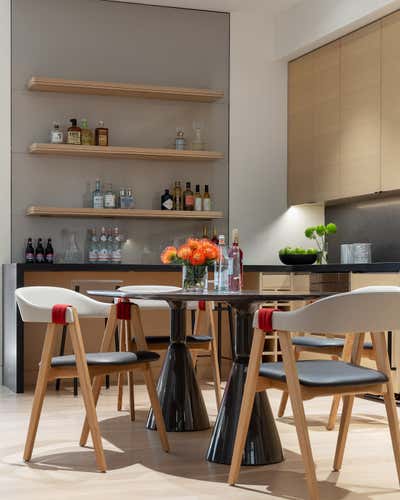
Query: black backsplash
{"points": [[375, 221]]}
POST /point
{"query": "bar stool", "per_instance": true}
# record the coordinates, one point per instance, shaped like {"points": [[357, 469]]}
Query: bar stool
{"points": [[374, 310], [82, 286], [197, 344], [61, 306]]}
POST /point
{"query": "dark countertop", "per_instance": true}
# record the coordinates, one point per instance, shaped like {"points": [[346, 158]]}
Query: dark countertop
{"points": [[377, 267]]}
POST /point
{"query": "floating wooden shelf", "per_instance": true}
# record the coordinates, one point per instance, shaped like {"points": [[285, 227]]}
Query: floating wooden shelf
{"points": [[136, 213], [122, 152], [123, 89]]}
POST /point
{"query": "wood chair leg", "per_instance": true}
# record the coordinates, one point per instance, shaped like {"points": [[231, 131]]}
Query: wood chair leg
{"points": [[289, 362], [285, 395], [155, 404], [247, 404], [87, 394], [348, 402], [97, 381], [382, 361], [40, 390], [214, 355]]}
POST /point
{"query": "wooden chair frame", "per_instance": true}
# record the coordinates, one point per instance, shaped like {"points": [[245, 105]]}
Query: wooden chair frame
{"points": [[298, 393], [336, 353], [90, 395], [134, 329]]}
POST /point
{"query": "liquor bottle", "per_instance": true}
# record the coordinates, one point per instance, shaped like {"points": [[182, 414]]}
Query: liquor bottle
{"points": [[49, 253], [86, 133], [167, 201], [116, 247], [214, 238], [122, 200], [221, 277], [93, 247], [188, 198], [109, 197], [206, 199], [177, 195], [197, 143], [205, 233], [180, 140], [101, 135], [98, 196], [39, 252], [29, 252], [198, 203], [74, 133], [235, 264], [103, 252], [56, 135], [130, 200]]}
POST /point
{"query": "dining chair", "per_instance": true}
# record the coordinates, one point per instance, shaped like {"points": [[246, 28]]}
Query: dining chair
{"points": [[82, 286], [375, 310], [196, 343], [336, 348], [58, 307]]}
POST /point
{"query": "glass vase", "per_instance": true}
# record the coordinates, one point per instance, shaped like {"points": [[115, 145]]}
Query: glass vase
{"points": [[195, 278]]}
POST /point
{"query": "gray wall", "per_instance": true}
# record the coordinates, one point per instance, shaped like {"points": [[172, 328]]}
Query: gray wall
{"points": [[107, 41], [375, 221]]}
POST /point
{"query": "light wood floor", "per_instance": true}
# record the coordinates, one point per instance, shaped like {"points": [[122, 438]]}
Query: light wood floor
{"points": [[140, 470]]}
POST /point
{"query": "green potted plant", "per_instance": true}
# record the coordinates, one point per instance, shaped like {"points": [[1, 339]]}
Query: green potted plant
{"points": [[319, 234]]}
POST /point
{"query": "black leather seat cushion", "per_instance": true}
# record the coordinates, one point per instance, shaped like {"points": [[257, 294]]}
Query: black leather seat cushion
{"points": [[318, 342], [108, 358], [325, 373], [164, 339]]}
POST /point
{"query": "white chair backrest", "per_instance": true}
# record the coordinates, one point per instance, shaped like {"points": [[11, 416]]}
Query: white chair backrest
{"points": [[368, 309], [35, 303]]}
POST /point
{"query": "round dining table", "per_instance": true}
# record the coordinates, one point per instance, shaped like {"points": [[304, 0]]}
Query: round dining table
{"points": [[178, 390]]}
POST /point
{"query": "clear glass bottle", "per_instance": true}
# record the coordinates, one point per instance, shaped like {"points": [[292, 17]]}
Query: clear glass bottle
{"points": [[86, 133], [93, 247], [198, 202], [130, 199], [221, 276], [98, 196], [197, 143], [177, 195], [56, 134], [122, 201], [116, 247], [103, 252], [180, 140], [109, 197], [206, 199], [235, 264]]}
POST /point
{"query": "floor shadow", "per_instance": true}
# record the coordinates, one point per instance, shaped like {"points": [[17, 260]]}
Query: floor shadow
{"points": [[318, 422]]}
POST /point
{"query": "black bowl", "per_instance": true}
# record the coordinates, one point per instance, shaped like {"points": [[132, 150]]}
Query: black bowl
{"points": [[297, 259]]}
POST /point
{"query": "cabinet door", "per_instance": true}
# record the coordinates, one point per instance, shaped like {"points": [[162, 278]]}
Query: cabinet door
{"points": [[300, 127], [327, 122], [360, 111], [391, 102]]}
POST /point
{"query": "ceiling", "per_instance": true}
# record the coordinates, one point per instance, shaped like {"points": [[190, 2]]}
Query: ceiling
{"points": [[272, 6]]}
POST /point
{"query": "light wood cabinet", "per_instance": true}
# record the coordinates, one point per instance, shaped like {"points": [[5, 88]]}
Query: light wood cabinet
{"points": [[391, 102], [360, 58], [300, 123], [334, 136]]}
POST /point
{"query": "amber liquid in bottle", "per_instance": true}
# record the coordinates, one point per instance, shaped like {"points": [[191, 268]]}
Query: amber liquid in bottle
{"points": [[177, 196], [101, 135], [188, 198], [74, 133]]}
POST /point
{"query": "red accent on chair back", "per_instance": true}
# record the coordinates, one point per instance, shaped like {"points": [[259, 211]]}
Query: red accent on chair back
{"points": [[58, 314], [123, 309], [202, 305], [265, 319]]}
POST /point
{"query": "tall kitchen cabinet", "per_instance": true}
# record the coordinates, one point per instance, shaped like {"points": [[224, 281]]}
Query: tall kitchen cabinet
{"points": [[343, 133], [391, 102]]}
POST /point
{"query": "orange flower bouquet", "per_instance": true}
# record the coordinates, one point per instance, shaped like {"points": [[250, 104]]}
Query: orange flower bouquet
{"points": [[195, 256]]}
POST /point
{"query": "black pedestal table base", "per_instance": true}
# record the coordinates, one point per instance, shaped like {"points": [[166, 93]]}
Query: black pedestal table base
{"points": [[263, 445], [180, 397]]}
